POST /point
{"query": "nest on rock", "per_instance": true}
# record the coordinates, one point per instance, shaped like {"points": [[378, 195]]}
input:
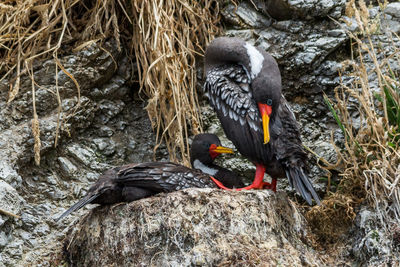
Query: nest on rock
{"points": [[194, 227]]}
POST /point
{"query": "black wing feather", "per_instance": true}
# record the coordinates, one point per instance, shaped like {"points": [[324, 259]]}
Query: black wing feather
{"points": [[85, 200], [163, 177]]}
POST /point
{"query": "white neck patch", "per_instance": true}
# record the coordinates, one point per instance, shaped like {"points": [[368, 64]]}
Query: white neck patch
{"points": [[197, 164], [256, 59]]}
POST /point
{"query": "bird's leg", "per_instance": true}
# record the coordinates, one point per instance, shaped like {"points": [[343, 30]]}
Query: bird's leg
{"points": [[258, 182], [258, 179], [271, 185], [219, 184]]}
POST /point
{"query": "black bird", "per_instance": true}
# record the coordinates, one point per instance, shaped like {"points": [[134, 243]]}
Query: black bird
{"points": [[135, 181], [243, 84], [205, 148]]}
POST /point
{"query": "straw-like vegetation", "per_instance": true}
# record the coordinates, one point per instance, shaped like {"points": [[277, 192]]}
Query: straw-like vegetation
{"points": [[370, 157], [163, 37], [168, 35]]}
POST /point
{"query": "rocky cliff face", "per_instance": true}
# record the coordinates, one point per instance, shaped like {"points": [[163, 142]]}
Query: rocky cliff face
{"points": [[110, 127]]}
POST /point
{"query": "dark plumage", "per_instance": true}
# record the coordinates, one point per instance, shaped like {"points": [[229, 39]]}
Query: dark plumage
{"points": [[244, 87], [205, 148], [135, 181]]}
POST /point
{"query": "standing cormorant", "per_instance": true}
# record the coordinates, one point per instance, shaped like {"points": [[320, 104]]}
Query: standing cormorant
{"points": [[243, 84], [135, 181]]}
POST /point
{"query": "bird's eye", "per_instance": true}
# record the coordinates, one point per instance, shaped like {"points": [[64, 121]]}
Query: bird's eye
{"points": [[269, 102]]}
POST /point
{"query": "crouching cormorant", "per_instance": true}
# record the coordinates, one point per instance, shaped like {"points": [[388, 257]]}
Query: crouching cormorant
{"points": [[243, 84], [135, 181]]}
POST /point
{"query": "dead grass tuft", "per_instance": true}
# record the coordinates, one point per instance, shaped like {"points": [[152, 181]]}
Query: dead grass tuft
{"points": [[332, 219], [370, 157], [167, 36], [162, 36]]}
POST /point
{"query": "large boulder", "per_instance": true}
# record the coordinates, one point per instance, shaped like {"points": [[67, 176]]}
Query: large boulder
{"points": [[205, 227]]}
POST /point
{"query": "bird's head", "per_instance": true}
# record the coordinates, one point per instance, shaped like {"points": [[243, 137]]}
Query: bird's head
{"points": [[267, 91], [206, 147]]}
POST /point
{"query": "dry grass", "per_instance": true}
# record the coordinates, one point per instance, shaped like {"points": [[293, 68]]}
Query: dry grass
{"points": [[370, 157], [168, 36], [162, 36]]}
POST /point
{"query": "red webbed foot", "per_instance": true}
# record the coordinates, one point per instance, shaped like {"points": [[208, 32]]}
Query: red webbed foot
{"points": [[271, 185], [258, 182], [221, 185], [263, 185]]}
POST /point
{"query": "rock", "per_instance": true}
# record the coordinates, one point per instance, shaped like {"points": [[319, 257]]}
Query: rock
{"points": [[391, 25], [194, 226], [326, 149], [90, 66], [10, 200], [105, 131], [315, 8], [3, 219], [4, 239], [79, 116], [67, 166], [87, 71], [114, 89], [372, 244], [108, 110], [50, 186], [42, 229], [278, 9], [393, 9], [245, 13], [8, 173], [29, 220], [301, 9], [81, 153], [106, 145]]}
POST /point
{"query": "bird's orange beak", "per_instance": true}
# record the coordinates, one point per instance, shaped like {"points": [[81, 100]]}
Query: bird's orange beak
{"points": [[220, 149], [216, 150], [265, 111]]}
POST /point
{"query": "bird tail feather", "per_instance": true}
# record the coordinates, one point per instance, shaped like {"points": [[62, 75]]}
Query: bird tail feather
{"points": [[300, 181], [85, 200]]}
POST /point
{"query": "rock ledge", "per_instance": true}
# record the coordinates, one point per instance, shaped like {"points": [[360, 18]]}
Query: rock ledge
{"points": [[204, 227]]}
